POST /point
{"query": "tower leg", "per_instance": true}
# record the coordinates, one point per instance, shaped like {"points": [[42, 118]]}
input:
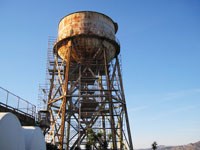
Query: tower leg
{"points": [[64, 102], [112, 121], [124, 105]]}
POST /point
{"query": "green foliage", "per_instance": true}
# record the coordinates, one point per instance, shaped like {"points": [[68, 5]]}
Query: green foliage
{"points": [[51, 146], [91, 137], [110, 136], [88, 146], [99, 134]]}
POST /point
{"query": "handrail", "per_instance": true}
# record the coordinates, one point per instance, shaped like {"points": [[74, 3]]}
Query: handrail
{"points": [[11, 100]]}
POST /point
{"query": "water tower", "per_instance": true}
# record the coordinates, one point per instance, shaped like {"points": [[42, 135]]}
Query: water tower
{"points": [[86, 98]]}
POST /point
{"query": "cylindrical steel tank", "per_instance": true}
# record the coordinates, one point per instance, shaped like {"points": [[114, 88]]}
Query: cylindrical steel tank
{"points": [[34, 139], [11, 136], [85, 33]]}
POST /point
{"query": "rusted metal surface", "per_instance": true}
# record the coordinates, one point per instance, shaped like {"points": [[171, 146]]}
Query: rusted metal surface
{"points": [[86, 22], [64, 101], [86, 91], [90, 31]]}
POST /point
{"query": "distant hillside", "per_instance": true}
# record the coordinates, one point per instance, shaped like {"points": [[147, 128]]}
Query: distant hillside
{"points": [[191, 146]]}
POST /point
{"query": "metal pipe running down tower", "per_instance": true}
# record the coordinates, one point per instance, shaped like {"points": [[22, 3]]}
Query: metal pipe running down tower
{"points": [[86, 96]]}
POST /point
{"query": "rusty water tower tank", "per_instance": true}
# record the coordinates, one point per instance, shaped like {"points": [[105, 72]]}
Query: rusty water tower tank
{"points": [[89, 95], [86, 32]]}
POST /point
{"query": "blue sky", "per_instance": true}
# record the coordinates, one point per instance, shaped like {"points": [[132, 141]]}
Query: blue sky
{"points": [[160, 48]]}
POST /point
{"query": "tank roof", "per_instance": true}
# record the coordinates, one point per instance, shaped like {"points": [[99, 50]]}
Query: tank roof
{"points": [[84, 11]]}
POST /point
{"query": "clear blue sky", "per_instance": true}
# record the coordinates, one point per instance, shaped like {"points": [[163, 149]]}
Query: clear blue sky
{"points": [[160, 48]]}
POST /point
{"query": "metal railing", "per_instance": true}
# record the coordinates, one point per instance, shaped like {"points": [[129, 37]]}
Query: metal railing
{"points": [[10, 100]]}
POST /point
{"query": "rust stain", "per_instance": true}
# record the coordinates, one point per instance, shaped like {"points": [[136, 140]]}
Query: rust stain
{"points": [[88, 23]]}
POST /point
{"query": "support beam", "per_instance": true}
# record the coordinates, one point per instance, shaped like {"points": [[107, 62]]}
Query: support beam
{"points": [[112, 121], [124, 105], [64, 102]]}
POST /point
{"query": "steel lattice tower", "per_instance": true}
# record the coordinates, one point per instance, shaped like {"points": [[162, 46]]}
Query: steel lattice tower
{"points": [[86, 98]]}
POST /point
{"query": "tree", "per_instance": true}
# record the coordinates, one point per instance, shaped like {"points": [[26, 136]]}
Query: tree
{"points": [[154, 146], [91, 140], [50, 146], [88, 146]]}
